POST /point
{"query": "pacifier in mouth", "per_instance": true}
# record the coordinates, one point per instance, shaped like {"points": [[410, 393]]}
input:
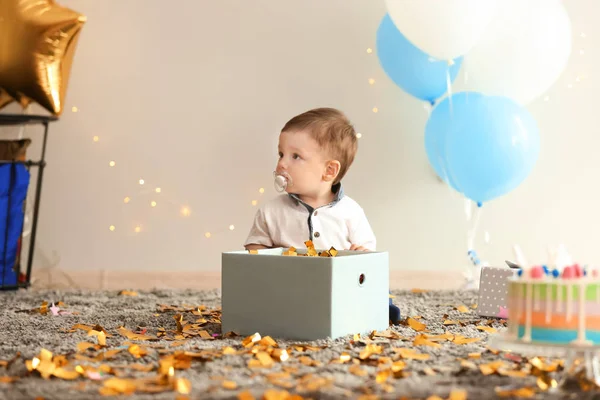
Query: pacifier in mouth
{"points": [[282, 181]]}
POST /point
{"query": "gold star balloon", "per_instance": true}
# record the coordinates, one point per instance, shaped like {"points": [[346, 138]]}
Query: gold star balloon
{"points": [[37, 44]]}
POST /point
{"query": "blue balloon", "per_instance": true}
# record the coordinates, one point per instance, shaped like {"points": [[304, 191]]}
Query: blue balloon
{"points": [[414, 71], [436, 131], [491, 145]]}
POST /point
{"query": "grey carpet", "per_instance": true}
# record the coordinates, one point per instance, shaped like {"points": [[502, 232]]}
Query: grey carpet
{"points": [[442, 373]]}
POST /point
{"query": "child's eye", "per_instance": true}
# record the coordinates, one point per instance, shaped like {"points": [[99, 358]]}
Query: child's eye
{"points": [[296, 156], [280, 155]]}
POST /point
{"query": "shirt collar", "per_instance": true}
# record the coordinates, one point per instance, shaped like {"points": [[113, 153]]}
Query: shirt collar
{"points": [[338, 189]]}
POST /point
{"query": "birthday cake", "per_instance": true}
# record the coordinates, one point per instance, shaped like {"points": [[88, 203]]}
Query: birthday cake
{"points": [[555, 306]]}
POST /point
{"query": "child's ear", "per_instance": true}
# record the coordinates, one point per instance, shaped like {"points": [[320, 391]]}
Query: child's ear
{"points": [[332, 170]]}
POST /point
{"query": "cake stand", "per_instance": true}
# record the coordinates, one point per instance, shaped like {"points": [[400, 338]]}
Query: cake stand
{"points": [[579, 359]]}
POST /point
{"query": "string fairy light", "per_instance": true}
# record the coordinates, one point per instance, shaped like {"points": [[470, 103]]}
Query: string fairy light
{"points": [[358, 135], [375, 109], [152, 204], [369, 50], [95, 138], [231, 227], [126, 200], [371, 81], [112, 164], [74, 109], [254, 202], [261, 190], [111, 228], [141, 181]]}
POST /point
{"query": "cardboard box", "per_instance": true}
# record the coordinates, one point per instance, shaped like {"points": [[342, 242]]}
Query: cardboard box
{"points": [[304, 298], [493, 291]]}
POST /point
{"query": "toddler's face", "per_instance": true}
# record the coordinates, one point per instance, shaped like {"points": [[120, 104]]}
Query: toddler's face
{"points": [[301, 157]]}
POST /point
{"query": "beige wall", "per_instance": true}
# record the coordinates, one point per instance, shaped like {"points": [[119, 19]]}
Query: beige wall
{"points": [[190, 94]]}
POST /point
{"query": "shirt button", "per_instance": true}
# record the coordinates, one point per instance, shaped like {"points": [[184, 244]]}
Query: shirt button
{"points": [[315, 214], [317, 234]]}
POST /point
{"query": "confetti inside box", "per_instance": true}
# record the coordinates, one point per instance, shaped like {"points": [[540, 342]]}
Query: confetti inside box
{"points": [[493, 290], [304, 298]]}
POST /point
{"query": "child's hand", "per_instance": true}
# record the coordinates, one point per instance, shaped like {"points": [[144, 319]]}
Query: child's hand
{"points": [[358, 248]]}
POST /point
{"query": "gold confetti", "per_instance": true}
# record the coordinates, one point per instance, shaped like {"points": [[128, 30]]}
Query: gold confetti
{"points": [[416, 325], [183, 386], [525, 392], [229, 385], [421, 340], [462, 309], [8, 379], [245, 395], [429, 371], [128, 293], [345, 357], [250, 340], [264, 358], [449, 322], [488, 369], [357, 370], [545, 383], [280, 355], [134, 336], [100, 335], [459, 339], [411, 354], [457, 394], [137, 351], [487, 329], [474, 355]]}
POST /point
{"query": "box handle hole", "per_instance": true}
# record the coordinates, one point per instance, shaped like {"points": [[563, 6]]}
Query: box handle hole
{"points": [[361, 279]]}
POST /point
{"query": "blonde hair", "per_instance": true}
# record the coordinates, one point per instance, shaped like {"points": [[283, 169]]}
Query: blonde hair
{"points": [[333, 132]]}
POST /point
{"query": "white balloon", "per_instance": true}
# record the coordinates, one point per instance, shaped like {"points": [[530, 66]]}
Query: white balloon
{"points": [[444, 29], [523, 52]]}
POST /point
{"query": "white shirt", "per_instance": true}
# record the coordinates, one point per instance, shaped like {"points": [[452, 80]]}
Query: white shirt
{"points": [[286, 221]]}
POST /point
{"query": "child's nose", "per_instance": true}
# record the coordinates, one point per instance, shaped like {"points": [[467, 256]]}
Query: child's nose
{"points": [[281, 166]]}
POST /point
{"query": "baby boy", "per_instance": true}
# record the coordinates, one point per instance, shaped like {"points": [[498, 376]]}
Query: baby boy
{"points": [[316, 149]]}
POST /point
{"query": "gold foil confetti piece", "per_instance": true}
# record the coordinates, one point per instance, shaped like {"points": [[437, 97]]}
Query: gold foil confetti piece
{"points": [[383, 375], [369, 350], [487, 329], [100, 335], [229, 385], [66, 374], [434, 397], [134, 336], [474, 355], [459, 339], [253, 251], [311, 252], [250, 340], [525, 392], [137, 351], [429, 371], [411, 354], [512, 373], [539, 364], [205, 335], [421, 340], [457, 394], [462, 309], [178, 343], [264, 358], [179, 320], [306, 361], [416, 325], [280, 355], [468, 364], [416, 290], [546, 383], [274, 394], [345, 357], [183, 386], [83, 346], [8, 379], [309, 244], [439, 338], [488, 369], [474, 306], [107, 355], [333, 252], [253, 363], [128, 293], [229, 350], [357, 370], [493, 351], [44, 308], [268, 341], [245, 395], [450, 322]]}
